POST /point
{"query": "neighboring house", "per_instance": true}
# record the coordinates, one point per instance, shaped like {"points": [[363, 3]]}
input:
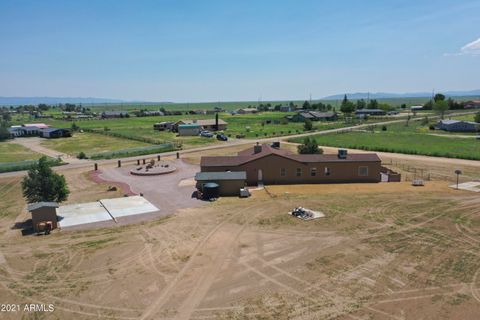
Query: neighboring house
{"points": [[24, 131], [314, 116], [286, 108], [229, 183], [205, 124], [114, 114], [37, 125], [189, 129], [458, 126], [162, 126], [43, 212], [472, 104], [416, 108], [152, 113], [52, 133], [369, 112], [269, 165], [247, 110]]}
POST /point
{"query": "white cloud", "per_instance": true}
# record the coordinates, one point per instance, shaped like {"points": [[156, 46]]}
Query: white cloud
{"points": [[471, 48]]}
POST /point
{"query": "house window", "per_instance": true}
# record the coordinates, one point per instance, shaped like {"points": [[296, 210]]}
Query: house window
{"points": [[363, 171], [327, 171], [283, 172], [313, 172], [299, 172]]}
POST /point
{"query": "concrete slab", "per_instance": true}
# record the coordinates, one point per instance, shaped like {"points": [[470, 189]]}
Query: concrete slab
{"points": [[82, 213], [469, 186], [128, 206]]}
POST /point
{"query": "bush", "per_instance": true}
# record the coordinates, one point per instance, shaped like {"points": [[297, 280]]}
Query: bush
{"points": [[384, 128], [431, 127], [82, 155]]}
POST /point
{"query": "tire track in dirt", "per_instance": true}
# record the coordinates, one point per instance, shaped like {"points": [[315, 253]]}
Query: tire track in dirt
{"points": [[162, 299]]}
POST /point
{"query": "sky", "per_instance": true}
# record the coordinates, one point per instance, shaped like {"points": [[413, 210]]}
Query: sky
{"points": [[210, 50]]}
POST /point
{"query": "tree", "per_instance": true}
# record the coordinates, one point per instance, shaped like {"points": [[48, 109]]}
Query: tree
{"points": [[6, 117], [306, 105], [42, 184], [308, 125], [4, 133], [372, 104], [477, 117], [309, 146], [361, 104], [440, 107], [439, 97], [347, 106]]}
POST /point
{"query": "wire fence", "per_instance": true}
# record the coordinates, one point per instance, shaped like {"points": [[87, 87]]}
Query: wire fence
{"points": [[25, 165], [134, 151]]}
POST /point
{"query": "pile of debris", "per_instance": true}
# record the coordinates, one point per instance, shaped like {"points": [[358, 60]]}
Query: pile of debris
{"points": [[306, 214]]}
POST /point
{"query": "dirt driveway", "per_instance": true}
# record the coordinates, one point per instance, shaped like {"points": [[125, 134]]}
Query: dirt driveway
{"points": [[35, 144]]}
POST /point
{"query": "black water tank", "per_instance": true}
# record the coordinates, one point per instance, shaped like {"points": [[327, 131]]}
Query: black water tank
{"points": [[210, 190]]}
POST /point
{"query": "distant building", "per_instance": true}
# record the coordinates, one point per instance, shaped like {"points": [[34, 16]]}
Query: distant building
{"points": [[26, 130], [416, 108], [286, 108], [472, 104], [114, 114], [152, 113], [37, 125], [361, 113], [314, 116], [189, 129], [247, 110], [205, 124], [458, 126], [52, 133], [162, 126]]}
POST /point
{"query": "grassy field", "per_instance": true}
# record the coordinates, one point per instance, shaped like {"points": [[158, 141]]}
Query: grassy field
{"points": [[414, 139], [12, 152], [91, 143]]}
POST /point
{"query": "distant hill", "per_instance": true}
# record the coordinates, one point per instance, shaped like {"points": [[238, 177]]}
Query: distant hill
{"points": [[386, 95], [15, 101]]}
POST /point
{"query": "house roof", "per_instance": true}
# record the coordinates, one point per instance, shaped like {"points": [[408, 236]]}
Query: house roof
{"points": [[449, 121], [318, 114], [202, 122], [114, 113], [369, 110], [228, 175], [37, 125], [248, 155], [38, 205], [190, 125], [49, 130]]}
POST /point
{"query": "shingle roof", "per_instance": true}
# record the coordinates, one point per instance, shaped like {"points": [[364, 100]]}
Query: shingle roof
{"points": [[38, 205], [227, 175], [248, 156], [49, 130]]}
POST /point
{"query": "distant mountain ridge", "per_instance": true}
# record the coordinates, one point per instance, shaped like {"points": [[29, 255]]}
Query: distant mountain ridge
{"points": [[386, 95], [15, 101]]}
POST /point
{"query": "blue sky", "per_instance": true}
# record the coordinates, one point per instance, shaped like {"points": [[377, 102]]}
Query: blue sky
{"points": [[236, 50]]}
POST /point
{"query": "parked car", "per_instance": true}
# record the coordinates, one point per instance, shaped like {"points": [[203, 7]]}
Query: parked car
{"points": [[222, 137], [206, 134]]}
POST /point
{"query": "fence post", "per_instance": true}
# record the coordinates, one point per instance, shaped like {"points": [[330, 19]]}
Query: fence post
{"points": [[158, 157], [95, 166], [178, 155], [138, 162], [119, 163], [143, 161]]}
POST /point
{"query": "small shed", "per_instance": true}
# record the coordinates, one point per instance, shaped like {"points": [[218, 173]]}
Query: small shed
{"points": [[229, 182], [43, 212], [458, 126], [189, 129]]}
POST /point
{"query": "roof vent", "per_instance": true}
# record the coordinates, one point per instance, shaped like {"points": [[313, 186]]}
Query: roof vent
{"points": [[257, 148], [342, 153]]}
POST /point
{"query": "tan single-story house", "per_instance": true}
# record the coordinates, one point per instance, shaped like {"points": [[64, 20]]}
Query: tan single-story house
{"points": [[271, 165]]}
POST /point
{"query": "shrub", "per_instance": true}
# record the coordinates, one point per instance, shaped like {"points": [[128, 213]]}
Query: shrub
{"points": [[82, 155], [384, 128], [431, 127]]}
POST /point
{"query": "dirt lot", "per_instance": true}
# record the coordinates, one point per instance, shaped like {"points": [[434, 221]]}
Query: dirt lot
{"points": [[383, 251]]}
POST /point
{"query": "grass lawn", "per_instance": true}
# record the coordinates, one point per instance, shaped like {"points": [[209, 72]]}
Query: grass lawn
{"points": [[414, 139], [91, 143], [12, 152]]}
